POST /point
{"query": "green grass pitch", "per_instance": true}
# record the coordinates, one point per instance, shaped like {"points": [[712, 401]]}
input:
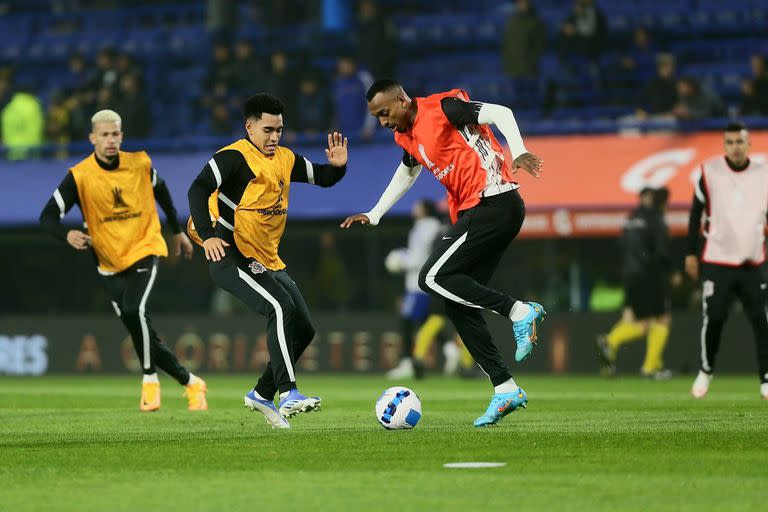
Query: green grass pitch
{"points": [[80, 443]]}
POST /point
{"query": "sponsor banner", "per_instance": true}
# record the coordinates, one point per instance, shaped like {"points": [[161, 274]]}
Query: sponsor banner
{"points": [[602, 171], [565, 223], [361, 343]]}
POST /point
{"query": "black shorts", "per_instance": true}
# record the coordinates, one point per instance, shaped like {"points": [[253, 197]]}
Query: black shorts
{"points": [[647, 296]]}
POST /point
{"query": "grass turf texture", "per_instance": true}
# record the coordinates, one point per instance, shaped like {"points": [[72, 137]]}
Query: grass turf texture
{"points": [[80, 443]]}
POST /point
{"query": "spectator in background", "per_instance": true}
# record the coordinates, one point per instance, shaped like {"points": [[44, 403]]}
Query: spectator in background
{"points": [[696, 101], [57, 123], [660, 94], [106, 70], [125, 65], [629, 70], [376, 40], [282, 81], [22, 124], [221, 16], [759, 85], [133, 108], [750, 104], [221, 120], [248, 66], [584, 31], [524, 39], [219, 105], [349, 90], [105, 100], [79, 105], [221, 69], [78, 76], [314, 109], [640, 58]]}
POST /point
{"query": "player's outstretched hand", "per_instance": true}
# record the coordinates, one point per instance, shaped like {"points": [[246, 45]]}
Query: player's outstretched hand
{"points": [[181, 244], [528, 162], [78, 239], [214, 248], [360, 217], [337, 149]]}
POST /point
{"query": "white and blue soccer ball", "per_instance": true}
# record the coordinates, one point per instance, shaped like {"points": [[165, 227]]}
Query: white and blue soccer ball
{"points": [[398, 408]]}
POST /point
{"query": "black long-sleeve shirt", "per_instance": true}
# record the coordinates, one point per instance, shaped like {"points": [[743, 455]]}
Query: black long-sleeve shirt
{"points": [[231, 178], [700, 199], [66, 196]]}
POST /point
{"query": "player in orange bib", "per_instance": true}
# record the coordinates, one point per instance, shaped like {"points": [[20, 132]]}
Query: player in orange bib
{"points": [[116, 192], [450, 136]]}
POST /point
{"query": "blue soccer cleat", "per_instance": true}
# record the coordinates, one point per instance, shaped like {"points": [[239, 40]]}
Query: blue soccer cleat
{"points": [[525, 330], [267, 408], [501, 405], [295, 403]]}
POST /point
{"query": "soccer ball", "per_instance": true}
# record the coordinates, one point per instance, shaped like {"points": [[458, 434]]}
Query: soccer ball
{"points": [[394, 261], [398, 408]]}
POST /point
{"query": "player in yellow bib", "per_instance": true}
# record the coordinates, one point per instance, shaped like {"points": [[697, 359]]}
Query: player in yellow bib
{"points": [[116, 192], [250, 180]]}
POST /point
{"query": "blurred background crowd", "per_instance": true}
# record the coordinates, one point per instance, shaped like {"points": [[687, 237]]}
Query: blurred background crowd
{"points": [[178, 70]]}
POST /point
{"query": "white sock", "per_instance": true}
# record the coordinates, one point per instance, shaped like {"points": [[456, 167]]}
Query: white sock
{"points": [[284, 394], [152, 377], [508, 386], [519, 311], [192, 379]]}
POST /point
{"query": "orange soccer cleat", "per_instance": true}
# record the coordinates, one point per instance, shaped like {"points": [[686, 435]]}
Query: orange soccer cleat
{"points": [[195, 394], [150, 396]]}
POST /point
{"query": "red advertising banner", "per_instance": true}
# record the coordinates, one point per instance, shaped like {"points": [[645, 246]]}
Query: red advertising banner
{"points": [[590, 183]]}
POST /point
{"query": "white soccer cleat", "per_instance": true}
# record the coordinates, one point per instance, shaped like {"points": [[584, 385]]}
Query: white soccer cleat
{"points": [[295, 402], [267, 408], [764, 390], [701, 385], [404, 370]]}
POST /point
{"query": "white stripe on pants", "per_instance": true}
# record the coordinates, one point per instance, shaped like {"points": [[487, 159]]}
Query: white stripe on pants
{"points": [[430, 277], [279, 319], [143, 317]]}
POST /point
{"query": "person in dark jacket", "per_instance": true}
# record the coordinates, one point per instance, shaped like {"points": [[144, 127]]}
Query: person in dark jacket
{"points": [[524, 40], [646, 261]]}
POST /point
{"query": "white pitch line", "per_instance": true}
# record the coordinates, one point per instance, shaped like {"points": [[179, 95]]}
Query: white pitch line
{"points": [[474, 465]]}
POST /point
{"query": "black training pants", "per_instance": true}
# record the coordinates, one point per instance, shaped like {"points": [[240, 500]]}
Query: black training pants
{"points": [[720, 285], [129, 291], [460, 266], [274, 295]]}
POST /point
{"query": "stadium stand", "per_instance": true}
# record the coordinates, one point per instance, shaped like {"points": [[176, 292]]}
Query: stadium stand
{"points": [[442, 44]]}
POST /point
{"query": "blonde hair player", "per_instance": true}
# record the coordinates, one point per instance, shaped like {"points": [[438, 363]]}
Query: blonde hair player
{"points": [[116, 192]]}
